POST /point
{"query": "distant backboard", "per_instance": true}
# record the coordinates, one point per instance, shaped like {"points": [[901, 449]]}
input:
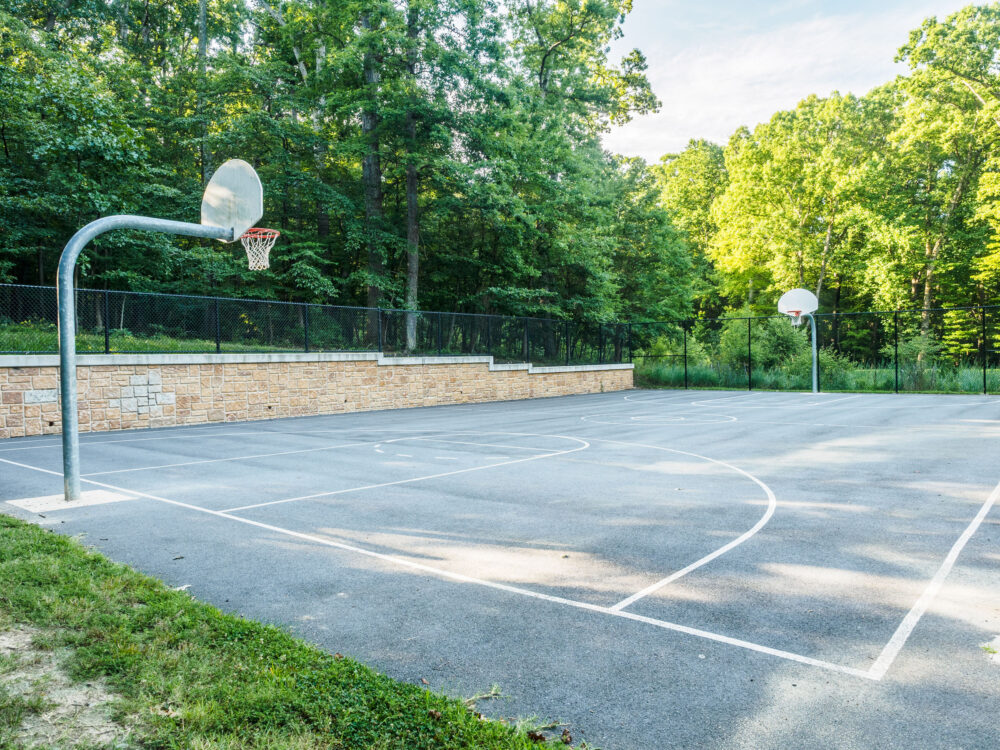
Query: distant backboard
{"points": [[798, 302], [234, 198]]}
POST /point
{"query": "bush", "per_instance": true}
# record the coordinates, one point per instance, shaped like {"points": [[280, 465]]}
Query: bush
{"points": [[774, 343], [920, 350]]}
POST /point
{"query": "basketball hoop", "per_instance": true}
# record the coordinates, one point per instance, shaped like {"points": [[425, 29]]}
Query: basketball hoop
{"points": [[796, 316], [258, 243]]}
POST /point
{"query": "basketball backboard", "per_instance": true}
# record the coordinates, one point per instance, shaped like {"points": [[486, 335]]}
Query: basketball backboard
{"points": [[233, 199], [798, 302]]}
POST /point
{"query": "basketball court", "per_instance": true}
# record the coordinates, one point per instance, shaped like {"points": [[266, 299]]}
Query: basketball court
{"points": [[653, 568]]}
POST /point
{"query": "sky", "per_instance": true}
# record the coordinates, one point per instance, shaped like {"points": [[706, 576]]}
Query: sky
{"points": [[719, 64]]}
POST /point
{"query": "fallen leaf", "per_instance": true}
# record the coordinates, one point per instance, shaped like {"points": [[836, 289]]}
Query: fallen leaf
{"points": [[338, 656], [566, 737], [434, 714], [536, 736], [424, 681]]}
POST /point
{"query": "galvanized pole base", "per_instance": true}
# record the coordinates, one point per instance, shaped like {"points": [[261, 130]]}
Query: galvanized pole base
{"points": [[815, 358], [67, 322]]}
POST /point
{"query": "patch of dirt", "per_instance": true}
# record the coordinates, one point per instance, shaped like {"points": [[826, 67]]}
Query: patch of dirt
{"points": [[74, 713]]}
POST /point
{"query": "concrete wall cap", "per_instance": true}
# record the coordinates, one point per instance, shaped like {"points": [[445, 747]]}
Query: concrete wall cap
{"points": [[95, 360]]}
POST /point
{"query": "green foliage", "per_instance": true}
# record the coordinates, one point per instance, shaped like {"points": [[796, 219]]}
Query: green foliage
{"points": [[771, 341], [495, 112], [920, 351], [484, 124], [190, 676]]}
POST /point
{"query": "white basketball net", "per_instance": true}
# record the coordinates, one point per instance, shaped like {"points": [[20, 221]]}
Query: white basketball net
{"points": [[258, 244], [796, 316]]}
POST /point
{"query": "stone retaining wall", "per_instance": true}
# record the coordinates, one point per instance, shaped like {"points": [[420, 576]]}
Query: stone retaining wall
{"points": [[130, 391]]}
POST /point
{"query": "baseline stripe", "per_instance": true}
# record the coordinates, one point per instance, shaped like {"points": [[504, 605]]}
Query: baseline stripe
{"points": [[489, 584], [899, 638]]}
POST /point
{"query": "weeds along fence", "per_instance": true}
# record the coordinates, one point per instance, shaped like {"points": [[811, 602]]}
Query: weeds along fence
{"points": [[950, 350], [113, 322]]}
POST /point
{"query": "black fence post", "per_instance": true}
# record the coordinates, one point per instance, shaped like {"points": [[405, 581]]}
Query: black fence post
{"points": [[305, 325], [527, 342], [895, 337], [630, 343], [983, 320], [489, 335], [749, 356], [600, 343], [566, 341], [107, 324], [378, 314], [439, 316], [685, 330], [819, 361], [218, 328]]}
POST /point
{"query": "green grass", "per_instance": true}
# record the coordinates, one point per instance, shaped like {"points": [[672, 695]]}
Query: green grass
{"points": [[856, 379], [43, 338], [14, 709], [191, 676]]}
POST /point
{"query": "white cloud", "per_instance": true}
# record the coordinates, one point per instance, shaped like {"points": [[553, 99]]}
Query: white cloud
{"points": [[711, 87]]}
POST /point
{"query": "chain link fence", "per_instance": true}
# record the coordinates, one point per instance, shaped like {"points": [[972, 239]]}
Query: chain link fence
{"points": [[955, 350], [946, 350], [114, 322]]}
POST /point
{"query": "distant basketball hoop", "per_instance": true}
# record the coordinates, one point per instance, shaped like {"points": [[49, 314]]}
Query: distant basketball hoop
{"points": [[799, 304], [258, 243]]}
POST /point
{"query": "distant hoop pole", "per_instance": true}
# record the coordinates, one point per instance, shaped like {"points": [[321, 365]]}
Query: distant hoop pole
{"points": [[815, 358], [796, 319], [67, 322]]}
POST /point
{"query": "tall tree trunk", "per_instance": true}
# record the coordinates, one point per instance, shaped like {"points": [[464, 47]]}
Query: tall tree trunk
{"points": [[827, 242], [933, 250], [204, 152], [322, 215], [371, 171], [826, 251], [412, 207]]}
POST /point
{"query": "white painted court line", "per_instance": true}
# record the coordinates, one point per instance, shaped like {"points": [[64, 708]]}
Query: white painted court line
{"points": [[876, 672], [584, 445], [782, 403], [899, 638], [174, 435], [231, 458], [660, 397], [49, 503], [490, 584], [485, 445], [667, 419], [771, 505]]}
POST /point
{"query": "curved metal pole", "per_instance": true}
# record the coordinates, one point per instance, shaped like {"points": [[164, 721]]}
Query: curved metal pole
{"points": [[815, 368], [67, 322]]}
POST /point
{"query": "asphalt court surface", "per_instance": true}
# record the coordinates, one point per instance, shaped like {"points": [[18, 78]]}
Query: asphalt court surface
{"points": [[653, 568]]}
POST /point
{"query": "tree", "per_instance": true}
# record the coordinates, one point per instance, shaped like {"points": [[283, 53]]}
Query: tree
{"points": [[793, 200], [689, 183], [956, 56]]}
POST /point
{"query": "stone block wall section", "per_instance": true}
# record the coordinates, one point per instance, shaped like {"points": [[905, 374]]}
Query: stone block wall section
{"points": [[155, 390]]}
